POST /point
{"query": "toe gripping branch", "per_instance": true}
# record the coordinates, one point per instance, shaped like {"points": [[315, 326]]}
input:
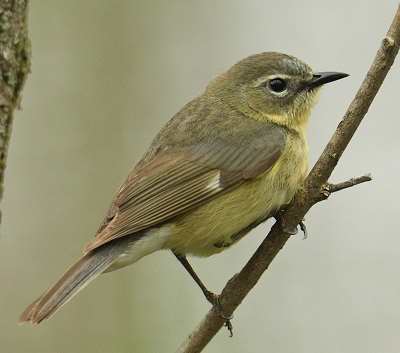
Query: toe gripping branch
{"points": [[214, 300]]}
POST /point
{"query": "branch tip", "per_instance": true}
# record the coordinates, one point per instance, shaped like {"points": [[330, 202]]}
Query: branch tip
{"points": [[349, 183]]}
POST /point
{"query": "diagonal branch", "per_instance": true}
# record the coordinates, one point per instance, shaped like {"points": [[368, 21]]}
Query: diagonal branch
{"points": [[240, 284]]}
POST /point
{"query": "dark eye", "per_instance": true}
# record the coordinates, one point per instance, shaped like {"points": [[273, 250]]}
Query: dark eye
{"points": [[277, 85]]}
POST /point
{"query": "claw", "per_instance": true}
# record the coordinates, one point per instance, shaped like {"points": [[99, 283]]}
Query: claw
{"points": [[215, 302], [228, 325], [212, 298], [303, 228]]}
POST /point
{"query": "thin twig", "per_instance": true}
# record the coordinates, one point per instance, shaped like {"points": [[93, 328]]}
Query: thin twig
{"points": [[348, 183], [239, 285]]}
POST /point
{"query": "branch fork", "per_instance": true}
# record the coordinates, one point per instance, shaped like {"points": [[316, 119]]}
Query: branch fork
{"points": [[328, 188]]}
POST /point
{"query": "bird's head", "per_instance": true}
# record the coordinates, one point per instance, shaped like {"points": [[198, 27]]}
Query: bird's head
{"points": [[272, 86]]}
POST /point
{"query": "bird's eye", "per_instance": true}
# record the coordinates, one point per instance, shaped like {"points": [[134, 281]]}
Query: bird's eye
{"points": [[277, 85]]}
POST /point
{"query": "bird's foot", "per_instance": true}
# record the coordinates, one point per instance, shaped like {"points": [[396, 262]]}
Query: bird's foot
{"points": [[303, 228], [213, 299], [291, 230]]}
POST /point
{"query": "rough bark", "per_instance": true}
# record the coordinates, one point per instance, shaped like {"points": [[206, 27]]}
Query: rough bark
{"points": [[14, 68], [315, 189]]}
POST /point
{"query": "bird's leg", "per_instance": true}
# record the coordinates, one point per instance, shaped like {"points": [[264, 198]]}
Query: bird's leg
{"points": [[212, 298]]}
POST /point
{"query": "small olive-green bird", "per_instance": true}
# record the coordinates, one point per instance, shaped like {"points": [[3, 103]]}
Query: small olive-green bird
{"points": [[232, 156]]}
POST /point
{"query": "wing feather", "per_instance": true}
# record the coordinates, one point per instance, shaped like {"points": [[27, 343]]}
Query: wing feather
{"points": [[176, 181]]}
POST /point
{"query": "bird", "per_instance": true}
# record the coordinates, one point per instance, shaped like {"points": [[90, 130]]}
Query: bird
{"points": [[232, 156]]}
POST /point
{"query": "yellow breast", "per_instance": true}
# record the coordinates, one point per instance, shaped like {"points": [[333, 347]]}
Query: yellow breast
{"points": [[201, 231]]}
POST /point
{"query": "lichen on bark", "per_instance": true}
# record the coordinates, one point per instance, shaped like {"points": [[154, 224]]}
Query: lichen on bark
{"points": [[14, 67]]}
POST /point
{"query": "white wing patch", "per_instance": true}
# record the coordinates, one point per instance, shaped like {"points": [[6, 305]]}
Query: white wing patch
{"points": [[215, 182]]}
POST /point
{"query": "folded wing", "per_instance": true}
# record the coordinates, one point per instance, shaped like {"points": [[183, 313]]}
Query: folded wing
{"points": [[175, 181]]}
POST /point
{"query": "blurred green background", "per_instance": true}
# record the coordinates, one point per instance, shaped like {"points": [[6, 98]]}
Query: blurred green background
{"points": [[106, 75]]}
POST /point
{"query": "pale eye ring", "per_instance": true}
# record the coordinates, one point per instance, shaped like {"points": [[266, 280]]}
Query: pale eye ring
{"points": [[277, 85]]}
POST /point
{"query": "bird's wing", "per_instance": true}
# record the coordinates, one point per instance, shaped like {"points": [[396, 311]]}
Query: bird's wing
{"points": [[174, 182]]}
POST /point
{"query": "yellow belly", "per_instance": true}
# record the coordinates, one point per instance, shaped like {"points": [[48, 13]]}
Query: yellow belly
{"points": [[202, 231]]}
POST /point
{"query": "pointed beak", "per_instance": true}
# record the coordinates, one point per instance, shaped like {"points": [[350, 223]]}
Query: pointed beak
{"points": [[320, 78]]}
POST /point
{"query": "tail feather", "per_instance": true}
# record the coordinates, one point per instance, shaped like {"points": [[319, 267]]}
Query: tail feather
{"points": [[75, 279]]}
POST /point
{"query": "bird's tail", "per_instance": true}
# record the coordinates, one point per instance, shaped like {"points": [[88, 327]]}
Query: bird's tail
{"points": [[79, 275]]}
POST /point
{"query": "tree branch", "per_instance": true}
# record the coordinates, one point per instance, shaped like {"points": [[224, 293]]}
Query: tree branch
{"points": [[240, 284], [14, 68]]}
